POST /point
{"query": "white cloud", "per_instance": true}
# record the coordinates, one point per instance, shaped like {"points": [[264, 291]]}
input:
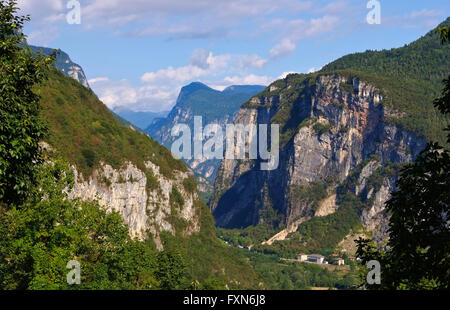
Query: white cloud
{"points": [[157, 96], [98, 80], [300, 6], [42, 8], [174, 18], [285, 74], [299, 29], [253, 61], [159, 89], [142, 98], [292, 31], [219, 10], [250, 79], [425, 13], [44, 14], [283, 48], [117, 93], [202, 63], [218, 87], [187, 30], [424, 18], [190, 20], [43, 36], [180, 74], [207, 61], [335, 7], [201, 58]]}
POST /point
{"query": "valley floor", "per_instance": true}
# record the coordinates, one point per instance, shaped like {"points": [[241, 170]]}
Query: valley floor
{"points": [[282, 273]]}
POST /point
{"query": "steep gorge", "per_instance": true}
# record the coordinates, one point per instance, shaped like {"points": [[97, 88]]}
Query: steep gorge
{"points": [[345, 133], [338, 122]]}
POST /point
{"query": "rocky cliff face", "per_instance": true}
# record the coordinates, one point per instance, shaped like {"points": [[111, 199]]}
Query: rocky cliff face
{"points": [[65, 65], [145, 208], [330, 126]]}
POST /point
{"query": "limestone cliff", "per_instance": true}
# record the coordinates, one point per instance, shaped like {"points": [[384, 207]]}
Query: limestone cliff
{"points": [[122, 168], [330, 125], [144, 208], [65, 65]]}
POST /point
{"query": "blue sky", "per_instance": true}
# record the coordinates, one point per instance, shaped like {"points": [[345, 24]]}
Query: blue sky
{"points": [[139, 53]]}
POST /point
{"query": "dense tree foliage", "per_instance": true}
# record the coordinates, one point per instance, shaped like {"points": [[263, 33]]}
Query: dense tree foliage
{"points": [[424, 59], [20, 127], [83, 130], [48, 231], [418, 251], [443, 103]]}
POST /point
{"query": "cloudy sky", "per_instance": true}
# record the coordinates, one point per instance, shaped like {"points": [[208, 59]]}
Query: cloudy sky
{"points": [[139, 53]]}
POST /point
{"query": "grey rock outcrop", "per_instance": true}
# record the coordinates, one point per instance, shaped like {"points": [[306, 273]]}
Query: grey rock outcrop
{"points": [[335, 124], [145, 210], [65, 65]]}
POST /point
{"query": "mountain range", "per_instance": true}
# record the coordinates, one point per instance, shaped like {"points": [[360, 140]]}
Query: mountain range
{"points": [[345, 133]]}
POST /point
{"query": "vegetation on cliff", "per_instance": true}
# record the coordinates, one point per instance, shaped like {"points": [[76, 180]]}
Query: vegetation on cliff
{"points": [[417, 255]]}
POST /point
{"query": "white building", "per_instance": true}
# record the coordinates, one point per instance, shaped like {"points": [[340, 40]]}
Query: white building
{"points": [[302, 257], [316, 258], [339, 261]]}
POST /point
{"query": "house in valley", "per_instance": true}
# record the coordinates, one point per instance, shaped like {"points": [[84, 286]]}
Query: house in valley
{"points": [[302, 257], [315, 258], [338, 261]]}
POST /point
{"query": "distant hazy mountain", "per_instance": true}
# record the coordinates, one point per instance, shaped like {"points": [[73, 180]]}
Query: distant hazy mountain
{"points": [[139, 119], [65, 65], [197, 99]]}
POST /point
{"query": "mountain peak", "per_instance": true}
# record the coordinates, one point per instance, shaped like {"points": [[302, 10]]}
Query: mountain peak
{"points": [[64, 64], [194, 86], [191, 88]]}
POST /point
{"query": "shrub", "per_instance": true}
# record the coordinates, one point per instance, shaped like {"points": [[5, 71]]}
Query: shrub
{"points": [[89, 157], [320, 128]]}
